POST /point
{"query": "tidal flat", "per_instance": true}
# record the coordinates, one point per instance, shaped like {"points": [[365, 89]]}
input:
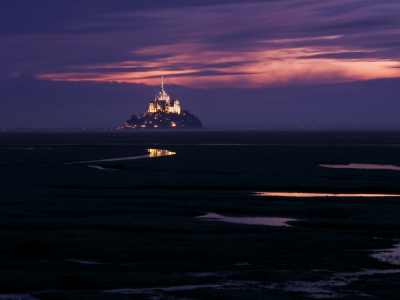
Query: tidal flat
{"points": [[130, 229]]}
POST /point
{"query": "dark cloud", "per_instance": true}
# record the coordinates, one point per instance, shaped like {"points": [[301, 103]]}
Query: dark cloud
{"points": [[203, 74], [347, 8], [173, 66], [46, 36], [391, 44], [49, 16], [363, 24]]}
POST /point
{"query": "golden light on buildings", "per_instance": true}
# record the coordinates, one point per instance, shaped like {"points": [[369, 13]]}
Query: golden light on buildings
{"points": [[164, 103], [173, 124]]}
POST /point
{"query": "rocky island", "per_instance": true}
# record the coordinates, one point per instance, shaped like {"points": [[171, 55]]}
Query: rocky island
{"points": [[163, 113]]}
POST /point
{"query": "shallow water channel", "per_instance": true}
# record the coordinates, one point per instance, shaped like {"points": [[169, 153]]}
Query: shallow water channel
{"points": [[362, 166], [152, 153], [391, 255], [293, 194], [268, 221]]}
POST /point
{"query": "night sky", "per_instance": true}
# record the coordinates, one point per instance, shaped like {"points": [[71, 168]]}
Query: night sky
{"points": [[280, 64]]}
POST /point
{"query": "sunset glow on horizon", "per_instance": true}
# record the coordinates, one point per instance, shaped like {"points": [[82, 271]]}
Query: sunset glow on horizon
{"points": [[274, 71], [246, 69]]}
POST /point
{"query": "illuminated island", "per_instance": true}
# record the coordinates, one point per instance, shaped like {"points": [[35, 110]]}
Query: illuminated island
{"points": [[163, 113]]}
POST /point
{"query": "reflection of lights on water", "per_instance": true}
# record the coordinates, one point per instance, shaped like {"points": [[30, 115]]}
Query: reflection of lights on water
{"points": [[282, 194], [159, 152]]}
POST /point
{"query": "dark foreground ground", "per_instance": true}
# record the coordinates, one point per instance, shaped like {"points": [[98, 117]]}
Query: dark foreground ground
{"points": [[68, 231]]}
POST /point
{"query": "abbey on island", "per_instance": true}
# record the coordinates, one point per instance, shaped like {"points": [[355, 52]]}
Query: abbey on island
{"points": [[163, 113]]}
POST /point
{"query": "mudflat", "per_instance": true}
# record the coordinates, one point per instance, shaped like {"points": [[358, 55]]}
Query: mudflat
{"points": [[133, 229]]}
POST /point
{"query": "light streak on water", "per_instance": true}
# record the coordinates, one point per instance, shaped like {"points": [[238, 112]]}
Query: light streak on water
{"points": [[309, 195]]}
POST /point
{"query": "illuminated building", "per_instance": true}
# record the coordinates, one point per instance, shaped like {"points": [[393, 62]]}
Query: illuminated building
{"points": [[163, 113], [163, 103]]}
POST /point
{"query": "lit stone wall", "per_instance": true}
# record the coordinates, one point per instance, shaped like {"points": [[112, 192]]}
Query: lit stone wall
{"points": [[152, 107], [176, 108], [162, 103]]}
